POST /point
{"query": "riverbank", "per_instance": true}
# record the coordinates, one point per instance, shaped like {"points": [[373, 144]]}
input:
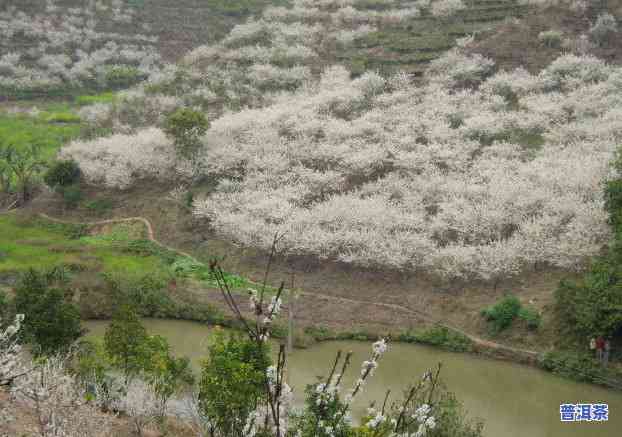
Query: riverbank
{"points": [[502, 393], [190, 298]]}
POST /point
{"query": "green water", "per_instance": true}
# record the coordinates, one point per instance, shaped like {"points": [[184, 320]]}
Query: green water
{"points": [[513, 400]]}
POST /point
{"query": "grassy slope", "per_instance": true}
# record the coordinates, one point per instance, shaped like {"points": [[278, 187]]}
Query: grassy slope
{"points": [[28, 243], [50, 130], [56, 124]]}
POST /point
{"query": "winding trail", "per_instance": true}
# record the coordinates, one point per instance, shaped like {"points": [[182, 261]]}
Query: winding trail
{"points": [[478, 341]]}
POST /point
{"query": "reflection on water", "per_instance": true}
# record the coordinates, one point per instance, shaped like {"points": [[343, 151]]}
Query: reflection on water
{"points": [[513, 400]]}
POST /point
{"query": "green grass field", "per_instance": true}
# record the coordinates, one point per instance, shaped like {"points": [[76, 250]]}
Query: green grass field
{"points": [[49, 130], [35, 243], [120, 250], [55, 124]]}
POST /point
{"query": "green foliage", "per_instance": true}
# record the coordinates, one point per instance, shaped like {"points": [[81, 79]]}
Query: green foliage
{"points": [[91, 364], [22, 131], [99, 206], [62, 174], [148, 295], [72, 195], [124, 341], [613, 202], [149, 248], [578, 366], [320, 332], [52, 322], [329, 413], [240, 8], [122, 76], [531, 316], [4, 305], [22, 165], [97, 98], [188, 199], [502, 314], [186, 126], [451, 420], [439, 336], [165, 373], [232, 381], [593, 306], [61, 117], [551, 38]]}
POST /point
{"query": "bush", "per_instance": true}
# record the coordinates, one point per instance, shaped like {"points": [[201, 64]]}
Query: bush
{"points": [[613, 201], [99, 205], [550, 38], [52, 322], [439, 336], [99, 98], [72, 195], [580, 367], [592, 306], [320, 333], [503, 312], [4, 304], [62, 117], [62, 174], [232, 381], [186, 126], [531, 316], [603, 29], [119, 76]]}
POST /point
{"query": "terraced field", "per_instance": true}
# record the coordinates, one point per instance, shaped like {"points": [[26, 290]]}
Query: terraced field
{"points": [[180, 25], [411, 46]]}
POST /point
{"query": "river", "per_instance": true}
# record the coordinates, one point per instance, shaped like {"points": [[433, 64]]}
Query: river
{"points": [[513, 400]]}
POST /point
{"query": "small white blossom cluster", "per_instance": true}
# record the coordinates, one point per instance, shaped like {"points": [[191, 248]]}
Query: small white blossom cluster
{"points": [[368, 368], [139, 402], [10, 360], [282, 396], [57, 400], [265, 316]]}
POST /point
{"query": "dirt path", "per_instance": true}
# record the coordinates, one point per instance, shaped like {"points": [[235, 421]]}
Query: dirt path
{"points": [[479, 342]]}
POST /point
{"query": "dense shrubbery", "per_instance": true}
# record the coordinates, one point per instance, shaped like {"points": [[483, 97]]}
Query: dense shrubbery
{"points": [[53, 322], [241, 391], [186, 127], [591, 306], [604, 29], [439, 336], [577, 366], [62, 174], [502, 314], [20, 169], [550, 38]]}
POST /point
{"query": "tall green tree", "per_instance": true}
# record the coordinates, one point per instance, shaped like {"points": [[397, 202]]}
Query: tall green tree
{"points": [[166, 374], [52, 322], [232, 382], [186, 126], [125, 340], [22, 165]]}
